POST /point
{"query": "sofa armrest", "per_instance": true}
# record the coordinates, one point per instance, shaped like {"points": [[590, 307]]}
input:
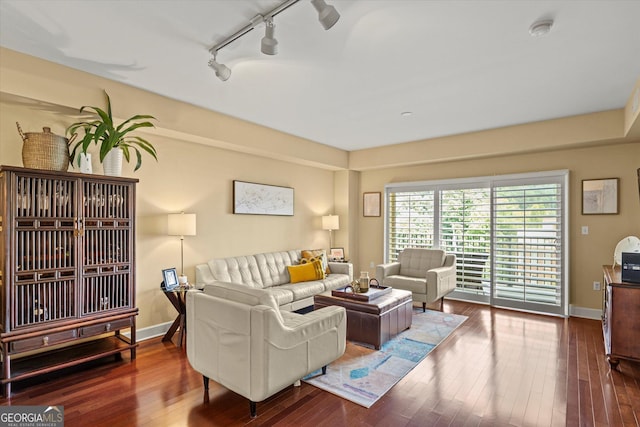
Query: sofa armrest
{"points": [[386, 270], [342, 268], [203, 276]]}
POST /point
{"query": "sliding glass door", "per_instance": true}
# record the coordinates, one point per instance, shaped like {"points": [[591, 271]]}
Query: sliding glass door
{"points": [[508, 233]]}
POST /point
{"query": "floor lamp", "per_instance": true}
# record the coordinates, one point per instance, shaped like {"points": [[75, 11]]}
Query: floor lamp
{"points": [[330, 222], [181, 224]]}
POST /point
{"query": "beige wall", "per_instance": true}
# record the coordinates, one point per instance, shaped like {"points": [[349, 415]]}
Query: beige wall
{"points": [[587, 253], [197, 179], [202, 152]]}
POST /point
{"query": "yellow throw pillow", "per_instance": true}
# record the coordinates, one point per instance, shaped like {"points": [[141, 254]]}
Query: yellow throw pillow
{"points": [[311, 255], [306, 272]]}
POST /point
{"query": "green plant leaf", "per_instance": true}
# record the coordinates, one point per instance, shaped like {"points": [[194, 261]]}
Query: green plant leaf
{"points": [[106, 136]]}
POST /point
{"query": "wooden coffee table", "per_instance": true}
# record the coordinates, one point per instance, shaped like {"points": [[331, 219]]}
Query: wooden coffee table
{"points": [[373, 322]]}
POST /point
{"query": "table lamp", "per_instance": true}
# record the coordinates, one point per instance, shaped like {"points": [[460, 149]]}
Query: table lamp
{"points": [[181, 224], [330, 222]]}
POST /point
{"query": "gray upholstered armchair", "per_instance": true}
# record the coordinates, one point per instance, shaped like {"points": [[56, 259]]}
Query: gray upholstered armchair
{"points": [[429, 274], [238, 337]]}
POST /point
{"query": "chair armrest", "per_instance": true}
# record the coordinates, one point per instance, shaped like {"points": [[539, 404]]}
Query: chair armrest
{"points": [[386, 270], [440, 281], [342, 268], [300, 328]]}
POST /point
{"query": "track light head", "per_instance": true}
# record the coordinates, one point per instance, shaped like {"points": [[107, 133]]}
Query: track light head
{"points": [[269, 44], [327, 15], [222, 71]]}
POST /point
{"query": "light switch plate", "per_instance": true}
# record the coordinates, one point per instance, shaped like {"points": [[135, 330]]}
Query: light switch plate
{"points": [[585, 229]]}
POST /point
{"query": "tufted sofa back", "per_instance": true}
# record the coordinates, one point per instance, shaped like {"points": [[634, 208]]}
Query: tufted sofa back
{"points": [[258, 271]]}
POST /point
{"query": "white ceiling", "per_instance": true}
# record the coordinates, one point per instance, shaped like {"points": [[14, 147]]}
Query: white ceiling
{"points": [[459, 66]]}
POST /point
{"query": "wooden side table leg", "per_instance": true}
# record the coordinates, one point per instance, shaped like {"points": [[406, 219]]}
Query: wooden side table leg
{"points": [[172, 330], [181, 335]]}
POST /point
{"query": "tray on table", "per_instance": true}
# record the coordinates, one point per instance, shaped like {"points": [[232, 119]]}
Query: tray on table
{"points": [[373, 293]]}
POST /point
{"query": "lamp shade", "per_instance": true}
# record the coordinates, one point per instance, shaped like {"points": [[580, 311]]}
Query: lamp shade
{"points": [[181, 224], [331, 222]]}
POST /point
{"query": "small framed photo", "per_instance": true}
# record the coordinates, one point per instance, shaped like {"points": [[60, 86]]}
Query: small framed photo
{"points": [[336, 254], [170, 277], [600, 196], [371, 204]]}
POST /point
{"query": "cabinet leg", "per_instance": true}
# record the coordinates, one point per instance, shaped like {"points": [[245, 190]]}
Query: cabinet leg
{"points": [[613, 362]]}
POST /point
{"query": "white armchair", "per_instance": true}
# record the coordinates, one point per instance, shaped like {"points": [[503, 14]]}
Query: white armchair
{"points": [[429, 274], [238, 337]]}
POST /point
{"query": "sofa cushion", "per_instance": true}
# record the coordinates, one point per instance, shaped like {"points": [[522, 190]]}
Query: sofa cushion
{"points": [[305, 272], [416, 262], [334, 281], [413, 284], [304, 290], [310, 255], [273, 267]]}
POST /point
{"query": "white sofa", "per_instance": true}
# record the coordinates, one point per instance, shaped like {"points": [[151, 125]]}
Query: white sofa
{"points": [[268, 271], [239, 338], [430, 274]]}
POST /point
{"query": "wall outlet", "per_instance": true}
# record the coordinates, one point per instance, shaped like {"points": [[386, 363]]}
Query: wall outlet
{"points": [[371, 264], [596, 286], [585, 230]]}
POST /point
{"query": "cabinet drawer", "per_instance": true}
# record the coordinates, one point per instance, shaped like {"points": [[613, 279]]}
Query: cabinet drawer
{"points": [[102, 328], [43, 341]]}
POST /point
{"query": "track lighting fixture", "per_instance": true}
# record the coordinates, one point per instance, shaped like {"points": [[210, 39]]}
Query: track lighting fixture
{"points": [[222, 71], [327, 15], [269, 44]]}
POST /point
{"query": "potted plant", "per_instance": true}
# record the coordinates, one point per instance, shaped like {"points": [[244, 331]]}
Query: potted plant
{"points": [[114, 141]]}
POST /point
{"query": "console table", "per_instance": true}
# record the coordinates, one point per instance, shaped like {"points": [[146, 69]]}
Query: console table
{"points": [[620, 317]]}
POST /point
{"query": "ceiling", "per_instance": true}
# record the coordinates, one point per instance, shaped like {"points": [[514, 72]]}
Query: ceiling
{"points": [[458, 66]]}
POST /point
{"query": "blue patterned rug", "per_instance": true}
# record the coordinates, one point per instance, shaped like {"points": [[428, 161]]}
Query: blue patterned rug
{"points": [[363, 375]]}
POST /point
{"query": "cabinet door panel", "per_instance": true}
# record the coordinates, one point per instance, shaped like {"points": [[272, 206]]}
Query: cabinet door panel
{"points": [[105, 292], [45, 301]]}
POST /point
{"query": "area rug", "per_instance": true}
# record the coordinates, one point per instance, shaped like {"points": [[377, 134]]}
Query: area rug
{"points": [[363, 375]]}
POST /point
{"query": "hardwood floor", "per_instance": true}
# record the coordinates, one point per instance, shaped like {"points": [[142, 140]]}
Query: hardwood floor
{"points": [[500, 368]]}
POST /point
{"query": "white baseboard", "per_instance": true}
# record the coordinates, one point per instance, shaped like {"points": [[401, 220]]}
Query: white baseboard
{"points": [[162, 328], [587, 313], [150, 331]]}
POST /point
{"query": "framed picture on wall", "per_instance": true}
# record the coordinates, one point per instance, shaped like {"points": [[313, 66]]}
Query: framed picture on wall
{"points": [[600, 196], [371, 203], [262, 199]]}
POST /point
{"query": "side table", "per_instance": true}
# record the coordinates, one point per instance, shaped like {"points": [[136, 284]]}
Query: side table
{"points": [[177, 297]]}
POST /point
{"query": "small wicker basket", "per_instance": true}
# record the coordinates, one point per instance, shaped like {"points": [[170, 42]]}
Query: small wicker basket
{"points": [[45, 150]]}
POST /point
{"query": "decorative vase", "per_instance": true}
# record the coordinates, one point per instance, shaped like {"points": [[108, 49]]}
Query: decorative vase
{"points": [[364, 281], [112, 163], [85, 163]]}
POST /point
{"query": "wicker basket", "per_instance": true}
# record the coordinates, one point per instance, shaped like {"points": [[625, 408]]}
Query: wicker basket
{"points": [[44, 150]]}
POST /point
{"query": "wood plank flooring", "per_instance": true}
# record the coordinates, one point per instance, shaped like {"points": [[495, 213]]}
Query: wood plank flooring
{"points": [[500, 368]]}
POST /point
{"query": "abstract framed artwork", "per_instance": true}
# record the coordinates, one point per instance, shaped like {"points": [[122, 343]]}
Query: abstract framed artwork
{"points": [[371, 204], [261, 199], [600, 196]]}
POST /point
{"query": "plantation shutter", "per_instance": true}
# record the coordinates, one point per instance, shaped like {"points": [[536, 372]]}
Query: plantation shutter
{"points": [[527, 242], [411, 221]]}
